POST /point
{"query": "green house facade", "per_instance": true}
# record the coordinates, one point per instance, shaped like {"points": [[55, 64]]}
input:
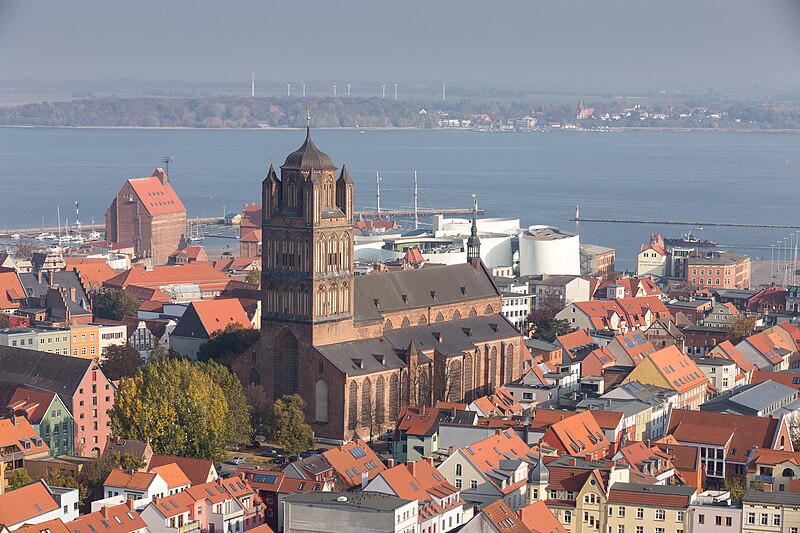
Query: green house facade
{"points": [[49, 417]]}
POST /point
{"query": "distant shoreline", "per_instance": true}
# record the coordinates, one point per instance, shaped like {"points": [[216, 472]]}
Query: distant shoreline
{"points": [[412, 128]]}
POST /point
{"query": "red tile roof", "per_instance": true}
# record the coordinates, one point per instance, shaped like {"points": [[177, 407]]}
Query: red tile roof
{"points": [[539, 519], [607, 419], [93, 275], [51, 526], [26, 503], [117, 519], [738, 433], [178, 503], [790, 379], [794, 331], [351, 460], [250, 236], [421, 481], [157, 197], [728, 350], [33, 402], [487, 455], [278, 482], [766, 456], [648, 495], [635, 345], [576, 339], [200, 273]]}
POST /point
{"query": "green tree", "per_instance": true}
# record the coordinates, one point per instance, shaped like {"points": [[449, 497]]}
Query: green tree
{"points": [[94, 474], [739, 329], [121, 361], [735, 487], [57, 478], [238, 418], [18, 478], [259, 407], [253, 276], [176, 406], [286, 425], [226, 344], [550, 328], [115, 304], [5, 321]]}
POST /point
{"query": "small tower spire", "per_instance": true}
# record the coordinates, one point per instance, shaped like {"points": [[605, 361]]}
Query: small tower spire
{"points": [[308, 121], [474, 242]]}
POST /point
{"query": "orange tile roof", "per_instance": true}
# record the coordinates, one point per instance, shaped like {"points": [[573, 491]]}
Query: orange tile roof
{"points": [[212, 491], [216, 315], [544, 418], [351, 460], [251, 236], [200, 273], [157, 198], [728, 350], [421, 481], [794, 331], [765, 343], [32, 401], [172, 474], [11, 290], [487, 455], [503, 518], [635, 345], [607, 419], [127, 480], [577, 435], [18, 434], [93, 275], [739, 433], [539, 519], [26, 503], [767, 456], [117, 519], [51, 526], [178, 503], [197, 470], [678, 369]]}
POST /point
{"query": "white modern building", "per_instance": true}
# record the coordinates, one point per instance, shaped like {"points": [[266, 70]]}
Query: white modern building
{"points": [[336, 512], [547, 250]]}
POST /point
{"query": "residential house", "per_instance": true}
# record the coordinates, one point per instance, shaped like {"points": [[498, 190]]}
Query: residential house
{"points": [[314, 467], [499, 518], [637, 287], [179, 513], [766, 399], [18, 442], [726, 441], [500, 403], [578, 435], [629, 349], [53, 526], [652, 261], [12, 293], [199, 471], [558, 291], [648, 463], [619, 315], [670, 369], [250, 243], [722, 373], [494, 468], [335, 512], [636, 505], [721, 315], [575, 345], [597, 261], [141, 487], [180, 283], [774, 469], [137, 449], [202, 319], [36, 503], [85, 341], [274, 487], [539, 519], [700, 340], [713, 511], [49, 417], [116, 519], [718, 270], [692, 310], [727, 350], [770, 512], [189, 254], [416, 434], [665, 332], [174, 477], [767, 351], [440, 505], [686, 460], [354, 463]]}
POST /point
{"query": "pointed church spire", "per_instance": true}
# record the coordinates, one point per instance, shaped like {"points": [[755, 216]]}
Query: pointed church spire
{"points": [[474, 242], [308, 122]]}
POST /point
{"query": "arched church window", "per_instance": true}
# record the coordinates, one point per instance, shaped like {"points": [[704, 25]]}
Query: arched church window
{"points": [[289, 363], [321, 401]]}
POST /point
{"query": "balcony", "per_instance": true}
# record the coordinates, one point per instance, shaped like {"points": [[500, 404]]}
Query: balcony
{"points": [[764, 479], [188, 527]]}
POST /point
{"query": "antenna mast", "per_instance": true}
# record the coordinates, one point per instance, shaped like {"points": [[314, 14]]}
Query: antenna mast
{"points": [[416, 194], [378, 193], [304, 89], [288, 89], [395, 91], [444, 92]]}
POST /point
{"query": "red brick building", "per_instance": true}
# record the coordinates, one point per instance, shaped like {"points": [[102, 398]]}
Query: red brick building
{"points": [[719, 270], [148, 214], [79, 382], [358, 348]]}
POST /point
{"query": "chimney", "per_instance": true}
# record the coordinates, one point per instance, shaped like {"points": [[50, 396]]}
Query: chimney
{"points": [[429, 458], [129, 504], [572, 461], [412, 467], [39, 275], [390, 463], [72, 294], [104, 512]]}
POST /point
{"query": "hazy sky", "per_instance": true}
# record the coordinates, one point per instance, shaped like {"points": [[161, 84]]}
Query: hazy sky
{"points": [[567, 43]]}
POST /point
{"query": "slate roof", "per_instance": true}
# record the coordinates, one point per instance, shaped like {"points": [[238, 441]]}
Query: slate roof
{"points": [[308, 156], [388, 352], [67, 279], [42, 370], [750, 399], [675, 496], [449, 285]]}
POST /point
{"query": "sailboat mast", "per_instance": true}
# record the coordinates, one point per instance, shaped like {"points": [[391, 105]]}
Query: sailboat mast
{"points": [[378, 193], [416, 194]]}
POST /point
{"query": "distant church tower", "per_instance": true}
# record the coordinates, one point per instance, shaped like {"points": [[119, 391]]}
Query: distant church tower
{"points": [[307, 258], [474, 242]]}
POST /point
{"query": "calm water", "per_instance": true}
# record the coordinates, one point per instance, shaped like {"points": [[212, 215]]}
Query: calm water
{"points": [[538, 178]]}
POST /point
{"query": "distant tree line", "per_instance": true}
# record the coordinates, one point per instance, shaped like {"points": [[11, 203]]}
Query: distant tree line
{"points": [[242, 112]]}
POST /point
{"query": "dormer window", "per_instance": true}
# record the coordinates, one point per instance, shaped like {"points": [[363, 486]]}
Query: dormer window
{"points": [[405, 298]]}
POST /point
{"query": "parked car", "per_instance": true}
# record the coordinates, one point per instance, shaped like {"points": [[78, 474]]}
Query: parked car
{"points": [[307, 453], [237, 460]]}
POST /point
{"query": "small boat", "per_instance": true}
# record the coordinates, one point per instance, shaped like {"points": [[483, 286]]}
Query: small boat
{"points": [[690, 240], [95, 236], [15, 236]]}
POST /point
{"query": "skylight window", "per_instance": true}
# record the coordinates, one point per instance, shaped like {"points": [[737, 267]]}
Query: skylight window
{"points": [[358, 453]]}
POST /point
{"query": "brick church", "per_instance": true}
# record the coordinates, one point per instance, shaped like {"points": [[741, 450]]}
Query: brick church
{"points": [[360, 348]]}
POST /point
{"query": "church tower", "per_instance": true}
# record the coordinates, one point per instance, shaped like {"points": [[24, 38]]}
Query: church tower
{"points": [[474, 242], [307, 265]]}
